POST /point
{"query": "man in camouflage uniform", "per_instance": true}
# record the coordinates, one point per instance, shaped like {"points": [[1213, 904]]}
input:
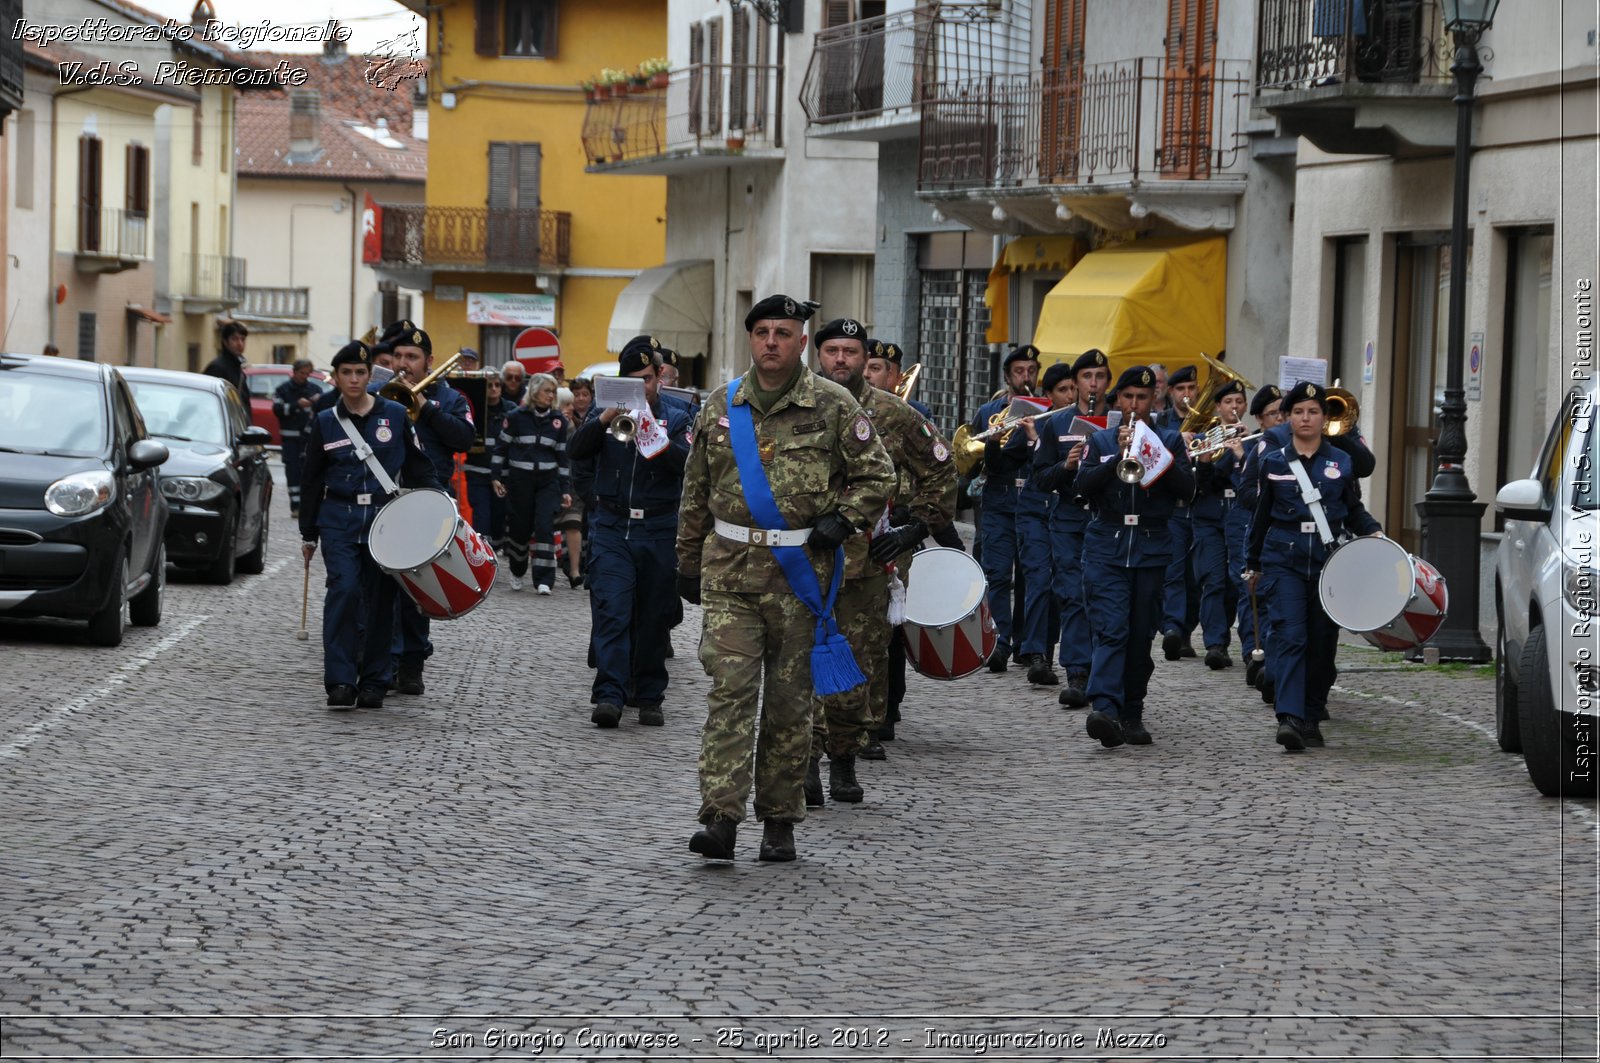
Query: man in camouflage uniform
{"points": [[830, 478], [925, 497]]}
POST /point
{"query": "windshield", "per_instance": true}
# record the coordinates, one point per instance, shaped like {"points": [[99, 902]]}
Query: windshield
{"points": [[41, 413], [176, 412]]}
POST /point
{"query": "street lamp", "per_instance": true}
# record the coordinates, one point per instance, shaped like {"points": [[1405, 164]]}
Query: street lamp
{"points": [[1451, 514]]}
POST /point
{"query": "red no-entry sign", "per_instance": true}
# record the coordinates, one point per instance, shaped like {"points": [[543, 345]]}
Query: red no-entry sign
{"points": [[538, 349]]}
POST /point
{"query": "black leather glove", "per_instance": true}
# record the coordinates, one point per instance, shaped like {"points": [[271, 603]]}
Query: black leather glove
{"points": [[896, 541], [689, 589], [829, 532]]}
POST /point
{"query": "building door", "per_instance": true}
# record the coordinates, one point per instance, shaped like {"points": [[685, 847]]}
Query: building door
{"points": [[1186, 88], [843, 284], [1061, 88], [512, 234]]}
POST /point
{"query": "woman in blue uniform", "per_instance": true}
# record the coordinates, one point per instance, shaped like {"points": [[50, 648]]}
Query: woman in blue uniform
{"points": [[1308, 498], [533, 447]]}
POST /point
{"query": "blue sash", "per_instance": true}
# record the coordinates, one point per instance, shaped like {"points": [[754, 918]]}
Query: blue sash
{"points": [[833, 666]]}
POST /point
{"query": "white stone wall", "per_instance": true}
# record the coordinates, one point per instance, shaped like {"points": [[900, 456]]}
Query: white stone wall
{"points": [[28, 284]]}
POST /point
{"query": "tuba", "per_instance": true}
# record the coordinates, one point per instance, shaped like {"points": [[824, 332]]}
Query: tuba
{"points": [[1201, 416], [908, 382]]}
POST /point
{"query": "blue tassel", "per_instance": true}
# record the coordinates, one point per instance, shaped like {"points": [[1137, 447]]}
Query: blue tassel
{"points": [[833, 666]]}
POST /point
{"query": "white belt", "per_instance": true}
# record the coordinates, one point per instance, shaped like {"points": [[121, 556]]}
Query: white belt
{"points": [[762, 536], [288, 432]]}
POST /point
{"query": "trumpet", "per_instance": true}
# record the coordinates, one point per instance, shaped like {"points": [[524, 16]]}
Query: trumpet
{"points": [[410, 395], [1129, 470], [623, 428], [1219, 439]]}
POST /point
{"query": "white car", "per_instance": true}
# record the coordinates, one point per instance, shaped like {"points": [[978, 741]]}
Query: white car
{"points": [[1547, 660]]}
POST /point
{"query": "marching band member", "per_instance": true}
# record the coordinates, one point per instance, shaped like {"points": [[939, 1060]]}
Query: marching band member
{"points": [[997, 529], [1128, 545], [1055, 464], [1267, 408], [1309, 496], [533, 447], [632, 565], [488, 506], [1035, 510], [1213, 503], [1179, 601], [343, 494]]}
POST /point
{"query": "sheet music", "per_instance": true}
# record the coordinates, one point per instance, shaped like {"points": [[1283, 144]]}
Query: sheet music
{"points": [[621, 392]]}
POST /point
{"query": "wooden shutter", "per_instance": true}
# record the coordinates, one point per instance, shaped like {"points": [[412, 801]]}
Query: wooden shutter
{"points": [[136, 196], [1186, 90], [697, 56], [549, 16], [757, 119], [738, 68], [88, 193], [500, 171], [1062, 89], [714, 89], [836, 13], [486, 39], [528, 161]]}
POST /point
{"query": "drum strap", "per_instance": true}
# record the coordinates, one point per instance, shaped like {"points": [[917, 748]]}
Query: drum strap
{"points": [[1310, 496], [363, 451]]}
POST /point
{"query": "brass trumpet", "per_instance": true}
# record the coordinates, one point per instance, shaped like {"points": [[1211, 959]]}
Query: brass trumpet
{"points": [[410, 395], [1129, 470], [623, 428]]}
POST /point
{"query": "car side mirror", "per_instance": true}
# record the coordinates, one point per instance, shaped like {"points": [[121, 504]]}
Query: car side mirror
{"points": [[255, 436], [147, 454], [1522, 500]]}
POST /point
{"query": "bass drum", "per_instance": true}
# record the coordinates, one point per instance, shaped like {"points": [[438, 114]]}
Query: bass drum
{"points": [[1393, 599], [439, 560], [949, 633]]}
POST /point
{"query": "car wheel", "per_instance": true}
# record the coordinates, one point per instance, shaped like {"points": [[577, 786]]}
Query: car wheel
{"points": [[107, 624], [1506, 732], [145, 608], [1547, 748], [255, 561], [221, 570]]}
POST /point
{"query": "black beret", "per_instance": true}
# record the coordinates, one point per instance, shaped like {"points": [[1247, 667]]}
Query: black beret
{"points": [[1181, 376], [353, 353], [638, 353], [1264, 398], [778, 307], [404, 334], [888, 351], [1305, 391], [1232, 387], [1026, 352], [668, 356], [1054, 375], [841, 328], [1093, 358], [1136, 376]]}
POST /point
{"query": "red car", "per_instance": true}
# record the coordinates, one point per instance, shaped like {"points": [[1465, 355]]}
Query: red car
{"points": [[263, 381]]}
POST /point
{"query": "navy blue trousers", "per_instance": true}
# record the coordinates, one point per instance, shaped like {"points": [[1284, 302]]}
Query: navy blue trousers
{"points": [[488, 512], [294, 458], [1303, 639], [632, 584], [1175, 582], [1038, 601], [1066, 554], [1210, 560], [357, 616], [1124, 606], [997, 537]]}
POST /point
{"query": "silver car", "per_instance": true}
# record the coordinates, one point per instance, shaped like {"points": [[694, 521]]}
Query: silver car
{"points": [[1547, 686]]}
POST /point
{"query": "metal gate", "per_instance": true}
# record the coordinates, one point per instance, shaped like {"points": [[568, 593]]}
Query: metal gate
{"points": [[958, 371]]}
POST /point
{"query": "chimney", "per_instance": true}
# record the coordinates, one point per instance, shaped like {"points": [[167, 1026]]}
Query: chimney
{"points": [[333, 49], [203, 12], [305, 114]]}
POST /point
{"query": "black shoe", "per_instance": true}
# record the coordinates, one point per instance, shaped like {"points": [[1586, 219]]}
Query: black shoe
{"points": [[574, 581], [885, 733], [1186, 650], [777, 841], [1269, 690], [1217, 659], [1312, 734], [814, 783], [1290, 736], [409, 681], [606, 714], [1252, 673], [715, 840], [873, 750], [1076, 695], [650, 716], [370, 698], [1320, 713], [1040, 673], [1171, 645], [842, 785], [671, 653], [1134, 734], [341, 696], [998, 659], [1104, 728]]}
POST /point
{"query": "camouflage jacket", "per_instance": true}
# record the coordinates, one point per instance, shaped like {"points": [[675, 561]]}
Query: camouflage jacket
{"points": [[925, 475], [821, 455]]}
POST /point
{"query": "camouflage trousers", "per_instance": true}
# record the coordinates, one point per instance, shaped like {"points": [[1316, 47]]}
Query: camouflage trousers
{"points": [[841, 723], [757, 650]]}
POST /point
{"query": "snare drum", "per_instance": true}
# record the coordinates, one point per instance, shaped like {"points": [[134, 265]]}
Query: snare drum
{"points": [[1393, 599], [948, 630], [440, 562]]}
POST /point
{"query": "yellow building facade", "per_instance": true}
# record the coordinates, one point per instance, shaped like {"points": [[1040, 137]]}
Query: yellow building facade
{"points": [[514, 232]]}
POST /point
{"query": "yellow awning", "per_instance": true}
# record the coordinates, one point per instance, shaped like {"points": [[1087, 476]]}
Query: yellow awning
{"points": [[1024, 253], [1146, 301]]}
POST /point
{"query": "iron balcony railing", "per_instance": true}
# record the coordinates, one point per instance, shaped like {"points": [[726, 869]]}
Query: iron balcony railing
{"points": [[476, 236], [1136, 119], [112, 231], [708, 108], [1302, 44], [218, 277], [10, 57], [285, 304], [889, 62]]}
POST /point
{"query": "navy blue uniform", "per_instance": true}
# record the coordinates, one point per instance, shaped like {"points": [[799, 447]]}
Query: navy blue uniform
{"points": [[1004, 475], [1286, 547], [488, 508], [1068, 521], [632, 578], [531, 460], [292, 422], [444, 428], [1246, 490], [1128, 545], [342, 498], [1214, 496], [1035, 504]]}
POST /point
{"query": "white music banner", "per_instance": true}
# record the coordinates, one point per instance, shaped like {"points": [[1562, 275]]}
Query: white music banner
{"points": [[651, 436], [1148, 450]]}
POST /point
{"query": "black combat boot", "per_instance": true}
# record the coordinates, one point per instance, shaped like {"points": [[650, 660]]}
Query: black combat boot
{"points": [[1171, 645], [998, 659], [842, 785], [1105, 728], [814, 783], [1040, 673], [1217, 658], [370, 697], [341, 696], [1076, 695], [606, 714], [873, 750], [1134, 734], [714, 841], [409, 680], [1312, 733], [1290, 736], [777, 841], [1252, 672]]}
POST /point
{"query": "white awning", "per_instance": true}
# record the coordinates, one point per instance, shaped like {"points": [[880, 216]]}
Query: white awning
{"points": [[670, 302]]}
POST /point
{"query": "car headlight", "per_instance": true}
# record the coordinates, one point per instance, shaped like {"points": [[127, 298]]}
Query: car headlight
{"points": [[80, 494], [1582, 583], [190, 488]]}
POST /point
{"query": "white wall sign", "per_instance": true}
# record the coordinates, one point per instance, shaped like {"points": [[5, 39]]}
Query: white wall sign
{"points": [[1292, 370], [1367, 362], [1475, 367], [510, 308]]}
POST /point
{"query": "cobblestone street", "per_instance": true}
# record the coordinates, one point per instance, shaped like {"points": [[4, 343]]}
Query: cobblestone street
{"points": [[202, 860]]}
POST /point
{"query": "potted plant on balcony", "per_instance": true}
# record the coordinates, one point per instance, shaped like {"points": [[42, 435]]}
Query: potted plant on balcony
{"points": [[591, 91], [656, 71], [616, 80]]}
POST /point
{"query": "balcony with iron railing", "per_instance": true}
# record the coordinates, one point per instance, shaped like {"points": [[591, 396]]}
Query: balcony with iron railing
{"points": [[287, 306], [1356, 76], [111, 239], [474, 239], [709, 116], [208, 283], [866, 79], [1107, 140]]}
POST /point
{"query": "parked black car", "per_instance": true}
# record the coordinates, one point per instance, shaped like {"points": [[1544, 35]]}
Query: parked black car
{"points": [[81, 512], [216, 481]]}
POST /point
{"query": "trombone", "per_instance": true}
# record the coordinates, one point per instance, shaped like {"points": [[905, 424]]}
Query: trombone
{"points": [[410, 395]]}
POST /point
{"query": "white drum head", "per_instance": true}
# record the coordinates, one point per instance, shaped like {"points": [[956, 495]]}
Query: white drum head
{"points": [[413, 530], [944, 586], [1366, 583]]}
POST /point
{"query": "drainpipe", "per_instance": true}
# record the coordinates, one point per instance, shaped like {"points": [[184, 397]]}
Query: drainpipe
{"points": [[50, 292], [355, 222]]}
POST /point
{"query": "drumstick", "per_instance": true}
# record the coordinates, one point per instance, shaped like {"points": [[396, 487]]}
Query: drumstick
{"points": [[305, 599], [1257, 654]]}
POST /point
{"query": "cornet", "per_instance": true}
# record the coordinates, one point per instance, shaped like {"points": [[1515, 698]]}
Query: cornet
{"points": [[1129, 469], [623, 428]]}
